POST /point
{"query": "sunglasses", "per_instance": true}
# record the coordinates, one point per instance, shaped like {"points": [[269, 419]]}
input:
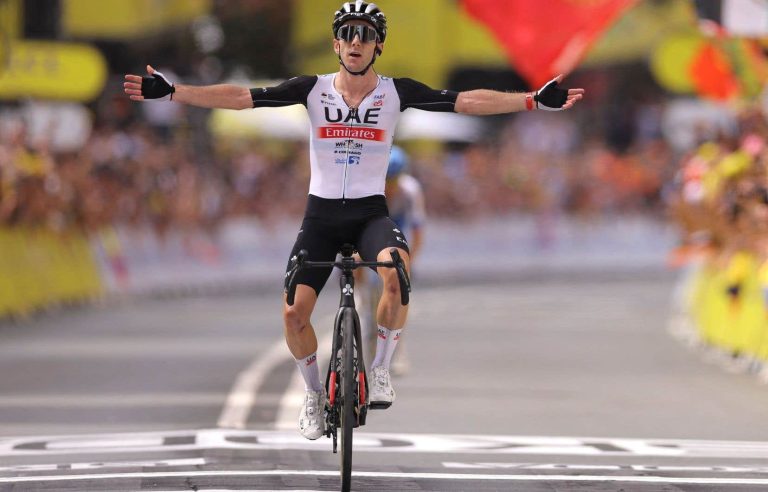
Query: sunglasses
{"points": [[365, 33]]}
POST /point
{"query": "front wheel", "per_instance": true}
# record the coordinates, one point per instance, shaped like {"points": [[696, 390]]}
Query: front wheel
{"points": [[348, 399]]}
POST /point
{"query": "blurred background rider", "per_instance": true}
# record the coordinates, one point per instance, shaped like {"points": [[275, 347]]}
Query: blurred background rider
{"points": [[407, 208]]}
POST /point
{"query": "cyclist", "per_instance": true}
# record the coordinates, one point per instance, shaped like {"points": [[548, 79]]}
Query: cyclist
{"points": [[353, 113], [405, 199]]}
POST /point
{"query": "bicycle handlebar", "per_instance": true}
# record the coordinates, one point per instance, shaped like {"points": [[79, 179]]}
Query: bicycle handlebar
{"points": [[300, 261]]}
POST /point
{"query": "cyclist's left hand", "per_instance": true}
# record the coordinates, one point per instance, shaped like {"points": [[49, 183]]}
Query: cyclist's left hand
{"points": [[552, 98]]}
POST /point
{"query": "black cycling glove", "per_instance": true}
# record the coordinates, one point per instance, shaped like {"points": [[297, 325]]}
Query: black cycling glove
{"points": [[156, 86], [550, 97]]}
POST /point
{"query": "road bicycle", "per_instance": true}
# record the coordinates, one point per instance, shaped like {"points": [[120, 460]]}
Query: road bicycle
{"points": [[346, 382]]}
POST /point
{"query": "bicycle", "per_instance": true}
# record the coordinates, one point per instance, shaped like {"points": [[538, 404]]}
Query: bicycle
{"points": [[346, 381]]}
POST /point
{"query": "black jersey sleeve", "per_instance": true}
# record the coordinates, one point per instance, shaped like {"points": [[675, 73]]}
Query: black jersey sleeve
{"points": [[414, 94], [290, 92]]}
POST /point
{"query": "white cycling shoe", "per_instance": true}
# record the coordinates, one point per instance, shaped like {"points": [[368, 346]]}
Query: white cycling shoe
{"points": [[382, 393], [312, 415]]}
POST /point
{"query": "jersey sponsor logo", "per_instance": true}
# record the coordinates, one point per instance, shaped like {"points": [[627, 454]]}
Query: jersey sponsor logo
{"points": [[379, 96], [347, 152], [349, 144], [370, 117], [378, 103], [349, 132], [351, 160]]}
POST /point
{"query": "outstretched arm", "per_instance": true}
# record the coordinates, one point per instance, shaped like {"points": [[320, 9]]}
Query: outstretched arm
{"points": [[155, 86], [550, 97]]}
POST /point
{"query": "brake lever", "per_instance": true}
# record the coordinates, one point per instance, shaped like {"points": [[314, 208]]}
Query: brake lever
{"points": [[402, 277]]}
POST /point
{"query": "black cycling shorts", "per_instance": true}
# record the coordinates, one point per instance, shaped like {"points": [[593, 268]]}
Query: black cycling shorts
{"points": [[330, 223]]}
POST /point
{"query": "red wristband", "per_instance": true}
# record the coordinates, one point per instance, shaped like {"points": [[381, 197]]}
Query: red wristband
{"points": [[529, 101]]}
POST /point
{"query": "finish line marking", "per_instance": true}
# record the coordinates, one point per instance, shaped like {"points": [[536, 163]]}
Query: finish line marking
{"points": [[564, 467], [396, 475], [208, 439]]}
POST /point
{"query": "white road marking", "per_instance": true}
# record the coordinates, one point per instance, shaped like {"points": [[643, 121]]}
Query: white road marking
{"points": [[394, 475], [121, 400], [104, 464], [100, 348], [243, 394], [267, 440], [633, 468]]}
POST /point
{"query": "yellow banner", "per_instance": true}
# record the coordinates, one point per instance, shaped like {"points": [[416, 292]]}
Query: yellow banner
{"points": [[115, 19], [50, 70], [40, 268], [10, 19]]}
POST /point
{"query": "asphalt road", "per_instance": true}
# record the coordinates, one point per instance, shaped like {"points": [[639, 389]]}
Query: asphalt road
{"points": [[560, 383]]}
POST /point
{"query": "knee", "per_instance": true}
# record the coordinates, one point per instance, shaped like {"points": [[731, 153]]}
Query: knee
{"points": [[295, 321], [391, 282]]}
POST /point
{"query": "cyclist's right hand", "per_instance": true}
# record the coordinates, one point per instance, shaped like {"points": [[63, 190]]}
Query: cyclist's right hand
{"points": [[154, 86]]}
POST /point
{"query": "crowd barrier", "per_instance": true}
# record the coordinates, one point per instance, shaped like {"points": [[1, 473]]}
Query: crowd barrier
{"points": [[41, 268], [728, 303], [245, 254]]}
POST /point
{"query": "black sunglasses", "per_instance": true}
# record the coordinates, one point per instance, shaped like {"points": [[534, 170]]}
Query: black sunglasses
{"points": [[365, 33]]}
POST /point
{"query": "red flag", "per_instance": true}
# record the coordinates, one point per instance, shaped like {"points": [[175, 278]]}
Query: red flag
{"points": [[544, 38]]}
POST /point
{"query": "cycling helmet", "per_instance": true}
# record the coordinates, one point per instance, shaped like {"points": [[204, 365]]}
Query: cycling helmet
{"points": [[398, 162], [360, 10]]}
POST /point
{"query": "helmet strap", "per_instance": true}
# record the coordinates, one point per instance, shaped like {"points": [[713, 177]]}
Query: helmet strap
{"points": [[363, 71]]}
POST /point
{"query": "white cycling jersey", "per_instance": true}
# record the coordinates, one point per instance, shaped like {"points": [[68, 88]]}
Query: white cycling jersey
{"points": [[349, 147]]}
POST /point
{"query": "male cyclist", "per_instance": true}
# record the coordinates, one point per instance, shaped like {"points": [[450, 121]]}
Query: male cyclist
{"points": [[353, 114], [405, 199]]}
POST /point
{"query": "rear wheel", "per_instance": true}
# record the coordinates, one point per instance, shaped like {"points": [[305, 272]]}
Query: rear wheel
{"points": [[348, 399]]}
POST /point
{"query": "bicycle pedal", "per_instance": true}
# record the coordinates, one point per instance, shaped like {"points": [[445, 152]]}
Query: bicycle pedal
{"points": [[379, 405]]}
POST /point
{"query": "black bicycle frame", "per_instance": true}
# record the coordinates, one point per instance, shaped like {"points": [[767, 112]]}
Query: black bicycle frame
{"points": [[347, 308]]}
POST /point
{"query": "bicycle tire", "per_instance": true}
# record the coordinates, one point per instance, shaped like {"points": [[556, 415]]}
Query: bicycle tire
{"points": [[348, 398]]}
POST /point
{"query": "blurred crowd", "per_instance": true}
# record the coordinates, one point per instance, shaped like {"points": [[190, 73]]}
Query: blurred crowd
{"points": [[544, 164], [139, 170], [720, 196]]}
